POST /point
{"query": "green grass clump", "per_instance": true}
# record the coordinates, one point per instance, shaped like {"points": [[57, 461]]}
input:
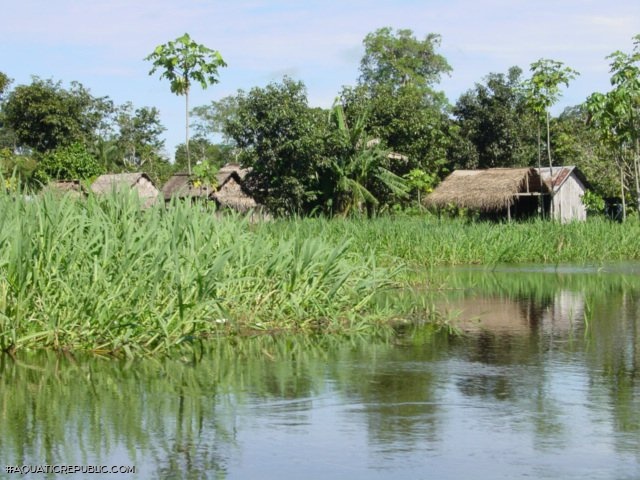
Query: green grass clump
{"points": [[104, 275]]}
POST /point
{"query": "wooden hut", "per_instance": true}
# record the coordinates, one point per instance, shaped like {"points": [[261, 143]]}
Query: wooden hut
{"points": [[568, 185], [127, 182], [495, 192], [184, 186]]}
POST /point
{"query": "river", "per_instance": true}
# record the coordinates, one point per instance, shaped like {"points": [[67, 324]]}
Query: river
{"points": [[540, 382]]}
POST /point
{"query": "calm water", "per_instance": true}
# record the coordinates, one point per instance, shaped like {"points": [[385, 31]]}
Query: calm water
{"points": [[544, 384]]}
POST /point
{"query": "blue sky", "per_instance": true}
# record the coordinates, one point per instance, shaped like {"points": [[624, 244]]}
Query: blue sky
{"points": [[102, 43]]}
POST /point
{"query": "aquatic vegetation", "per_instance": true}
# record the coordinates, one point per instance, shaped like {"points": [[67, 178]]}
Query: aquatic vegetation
{"points": [[426, 241], [106, 276]]}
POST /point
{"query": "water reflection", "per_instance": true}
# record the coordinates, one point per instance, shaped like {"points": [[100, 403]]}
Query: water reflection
{"points": [[544, 384]]}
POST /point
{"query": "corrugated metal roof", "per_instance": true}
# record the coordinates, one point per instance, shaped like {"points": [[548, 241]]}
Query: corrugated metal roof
{"points": [[556, 176]]}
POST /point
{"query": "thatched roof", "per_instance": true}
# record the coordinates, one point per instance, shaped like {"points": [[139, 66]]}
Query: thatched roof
{"points": [[224, 173], [231, 194], [181, 185], [486, 190], [66, 187], [108, 182], [374, 142]]}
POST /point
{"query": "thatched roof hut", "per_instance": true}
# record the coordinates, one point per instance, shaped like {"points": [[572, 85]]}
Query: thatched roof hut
{"points": [[229, 169], [232, 194], [490, 190], [183, 186], [73, 188], [125, 182]]}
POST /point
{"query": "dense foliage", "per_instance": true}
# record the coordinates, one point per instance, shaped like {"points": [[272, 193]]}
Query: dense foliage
{"points": [[44, 115], [496, 124], [280, 137], [72, 162], [399, 133]]}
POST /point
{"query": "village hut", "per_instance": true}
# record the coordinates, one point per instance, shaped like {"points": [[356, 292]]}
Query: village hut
{"points": [[72, 188], [568, 185], [185, 187], [495, 192], [127, 182], [229, 169], [232, 194]]}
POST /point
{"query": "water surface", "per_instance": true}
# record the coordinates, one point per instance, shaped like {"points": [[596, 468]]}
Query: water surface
{"points": [[543, 384]]}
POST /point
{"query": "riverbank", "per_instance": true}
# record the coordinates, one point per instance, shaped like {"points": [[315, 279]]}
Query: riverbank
{"points": [[104, 276]]}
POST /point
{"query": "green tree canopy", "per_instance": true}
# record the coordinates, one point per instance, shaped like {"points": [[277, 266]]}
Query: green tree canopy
{"points": [[282, 139], [7, 138], [45, 116], [72, 162], [211, 118], [493, 117], [407, 122], [5, 81], [396, 95], [138, 136], [616, 117], [401, 59], [202, 150], [575, 142]]}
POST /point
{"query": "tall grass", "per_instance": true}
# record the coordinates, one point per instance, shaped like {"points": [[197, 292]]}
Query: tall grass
{"points": [[104, 275], [430, 242]]}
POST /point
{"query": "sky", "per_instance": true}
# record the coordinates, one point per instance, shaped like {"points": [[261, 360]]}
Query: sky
{"points": [[102, 43]]}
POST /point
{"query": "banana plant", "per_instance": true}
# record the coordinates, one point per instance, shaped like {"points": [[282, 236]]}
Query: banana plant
{"points": [[361, 164]]}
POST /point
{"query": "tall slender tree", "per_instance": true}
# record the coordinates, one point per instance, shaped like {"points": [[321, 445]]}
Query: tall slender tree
{"points": [[603, 115], [544, 91], [616, 115], [625, 69], [182, 62]]}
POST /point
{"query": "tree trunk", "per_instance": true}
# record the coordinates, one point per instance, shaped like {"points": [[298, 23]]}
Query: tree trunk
{"points": [[540, 198], [550, 167], [186, 123], [624, 204]]}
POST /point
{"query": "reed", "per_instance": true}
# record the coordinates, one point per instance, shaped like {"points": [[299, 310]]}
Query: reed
{"points": [[106, 276], [430, 242]]}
